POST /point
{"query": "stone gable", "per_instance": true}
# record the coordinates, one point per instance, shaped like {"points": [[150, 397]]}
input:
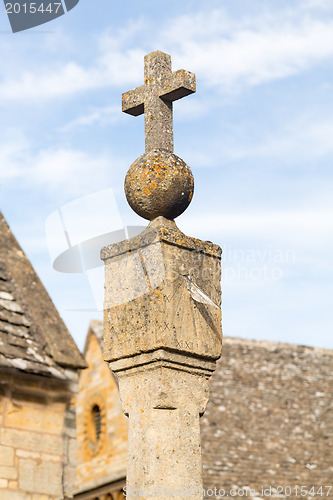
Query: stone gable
{"points": [[38, 380], [101, 425]]}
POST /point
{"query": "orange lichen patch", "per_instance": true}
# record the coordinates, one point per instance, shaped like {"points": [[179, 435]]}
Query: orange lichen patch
{"points": [[159, 183], [157, 168], [158, 296]]}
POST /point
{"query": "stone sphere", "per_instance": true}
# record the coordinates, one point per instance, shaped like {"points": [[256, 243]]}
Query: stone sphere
{"points": [[159, 183]]}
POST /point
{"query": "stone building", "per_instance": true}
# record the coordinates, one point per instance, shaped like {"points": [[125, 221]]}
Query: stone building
{"points": [[268, 424], [101, 427], [39, 365]]}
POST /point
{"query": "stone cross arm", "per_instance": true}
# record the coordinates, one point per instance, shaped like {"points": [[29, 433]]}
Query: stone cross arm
{"points": [[181, 84], [155, 97]]}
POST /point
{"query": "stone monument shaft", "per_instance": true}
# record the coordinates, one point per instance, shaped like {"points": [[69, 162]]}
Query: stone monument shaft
{"points": [[162, 316]]}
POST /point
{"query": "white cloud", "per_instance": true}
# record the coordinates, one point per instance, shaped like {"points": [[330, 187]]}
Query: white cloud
{"points": [[113, 65], [294, 144], [227, 53], [67, 167], [308, 228], [252, 51], [318, 4], [108, 115], [71, 171], [104, 116], [66, 79], [298, 142], [13, 150]]}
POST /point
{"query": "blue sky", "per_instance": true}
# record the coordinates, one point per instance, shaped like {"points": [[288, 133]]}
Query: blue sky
{"points": [[258, 135]]}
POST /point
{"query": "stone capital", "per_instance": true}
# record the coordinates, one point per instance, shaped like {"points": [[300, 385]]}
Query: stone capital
{"points": [[163, 380]]}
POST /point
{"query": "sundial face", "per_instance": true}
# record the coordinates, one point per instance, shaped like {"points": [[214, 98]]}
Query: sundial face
{"points": [[195, 318], [181, 312]]}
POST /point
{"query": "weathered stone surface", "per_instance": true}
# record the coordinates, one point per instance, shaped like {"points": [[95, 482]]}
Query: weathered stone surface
{"points": [[6, 456], [3, 483], [16, 495], [32, 441], [34, 458], [8, 472], [164, 435], [38, 378], [159, 183], [162, 317], [155, 98], [21, 416], [162, 324], [40, 477], [150, 300]]}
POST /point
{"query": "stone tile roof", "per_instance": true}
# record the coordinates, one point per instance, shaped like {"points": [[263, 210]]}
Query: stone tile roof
{"points": [[269, 421], [33, 337]]}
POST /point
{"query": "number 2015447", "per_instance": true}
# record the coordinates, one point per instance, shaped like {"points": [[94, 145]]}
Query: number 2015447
{"points": [[33, 8]]}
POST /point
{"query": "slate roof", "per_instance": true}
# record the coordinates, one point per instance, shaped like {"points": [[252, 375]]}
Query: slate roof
{"points": [[33, 337], [269, 421]]}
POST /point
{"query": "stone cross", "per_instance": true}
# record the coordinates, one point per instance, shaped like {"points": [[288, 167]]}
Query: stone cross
{"points": [[155, 98], [162, 316]]}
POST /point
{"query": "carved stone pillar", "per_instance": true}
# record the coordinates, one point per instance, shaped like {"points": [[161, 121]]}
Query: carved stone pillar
{"points": [[162, 316], [162, 324]]}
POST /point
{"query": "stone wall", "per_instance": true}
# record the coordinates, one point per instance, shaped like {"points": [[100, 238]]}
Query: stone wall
{"points": [[102, 452], [36, 431]]}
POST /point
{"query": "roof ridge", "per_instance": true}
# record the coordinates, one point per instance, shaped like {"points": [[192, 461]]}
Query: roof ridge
{"points": [[276, 344]]}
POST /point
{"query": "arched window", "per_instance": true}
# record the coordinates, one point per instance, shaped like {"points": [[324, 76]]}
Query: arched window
{"points": [[95, 425], [96, 421]]}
